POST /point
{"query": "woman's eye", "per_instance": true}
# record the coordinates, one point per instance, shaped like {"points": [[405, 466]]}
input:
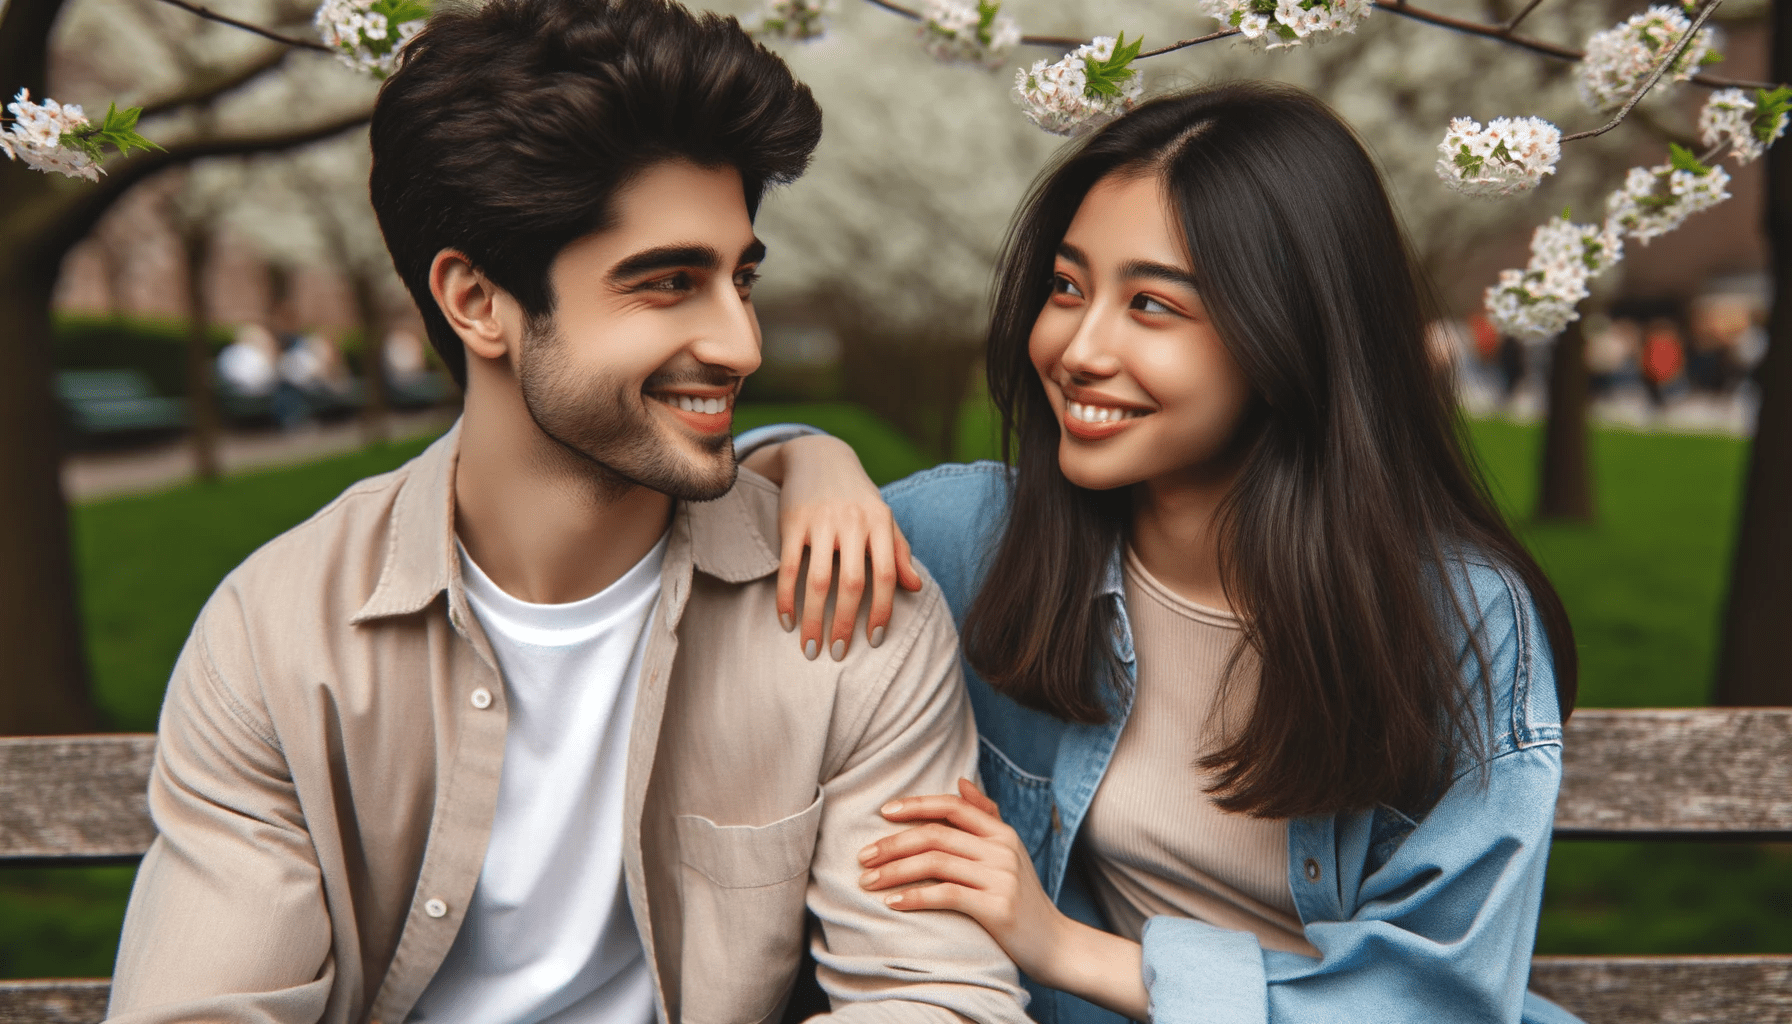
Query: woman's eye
{"points": [[1147, 304], [1062, 285]]}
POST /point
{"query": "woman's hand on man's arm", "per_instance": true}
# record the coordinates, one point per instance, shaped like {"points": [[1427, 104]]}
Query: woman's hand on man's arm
{"points": [[829, 506], [965, 858]]}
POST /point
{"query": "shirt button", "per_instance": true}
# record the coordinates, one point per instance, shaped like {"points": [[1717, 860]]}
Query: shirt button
{"points": [[1312, 870], [435, 908], [1057, 823], [482, 698]]}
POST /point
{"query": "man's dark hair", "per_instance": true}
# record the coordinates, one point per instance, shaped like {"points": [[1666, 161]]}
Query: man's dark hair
{"points": [[510, 128]]}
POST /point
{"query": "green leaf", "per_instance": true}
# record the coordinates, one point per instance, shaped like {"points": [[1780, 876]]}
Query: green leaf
{"points": [[1468, 162], [1769, 108], [1683, 159], [1711, 57], [986, 19], [1105, 77], [1502, 154]]}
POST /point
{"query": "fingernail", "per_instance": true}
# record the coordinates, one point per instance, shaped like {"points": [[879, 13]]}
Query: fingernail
{"points": [[893, 899], [838, 650], [810, 649], [867, 853], [869, 877], [877, 636], [892, 807], [787, 620]]}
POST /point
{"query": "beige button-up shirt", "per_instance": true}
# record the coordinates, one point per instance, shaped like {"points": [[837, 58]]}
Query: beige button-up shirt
{"points": [[327, 768]]}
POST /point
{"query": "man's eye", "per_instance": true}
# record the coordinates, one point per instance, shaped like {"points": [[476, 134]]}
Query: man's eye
{"points": [[1147, 304], [746, 279], [672, 283], [1062, 285]]}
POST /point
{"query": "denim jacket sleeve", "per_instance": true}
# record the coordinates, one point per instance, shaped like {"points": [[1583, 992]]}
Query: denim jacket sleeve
{"points": [[1427, 921]]}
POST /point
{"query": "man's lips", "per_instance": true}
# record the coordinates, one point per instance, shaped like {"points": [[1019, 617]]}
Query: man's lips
{"points": [[705, 410]]}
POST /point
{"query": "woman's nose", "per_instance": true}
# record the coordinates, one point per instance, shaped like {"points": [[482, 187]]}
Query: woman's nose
{"points": [[1091, 352]]}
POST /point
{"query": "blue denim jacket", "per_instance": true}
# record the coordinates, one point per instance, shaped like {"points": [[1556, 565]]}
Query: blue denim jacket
{"points": [[1429, 922]]}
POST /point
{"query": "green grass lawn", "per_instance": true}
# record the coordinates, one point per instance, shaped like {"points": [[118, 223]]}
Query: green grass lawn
{"points": [[1644, 587]]}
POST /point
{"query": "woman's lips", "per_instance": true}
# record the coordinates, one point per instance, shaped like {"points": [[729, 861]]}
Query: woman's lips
{"points": [[1095, 422]]}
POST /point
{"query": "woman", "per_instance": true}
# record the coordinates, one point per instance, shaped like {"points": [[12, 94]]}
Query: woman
{"points": [[1270, 696]]}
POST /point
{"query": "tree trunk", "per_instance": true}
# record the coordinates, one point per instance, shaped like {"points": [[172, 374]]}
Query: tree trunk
{"points": [[1565, 493], [202, 393], [43, 685], [1755, 667], [375, 419]]}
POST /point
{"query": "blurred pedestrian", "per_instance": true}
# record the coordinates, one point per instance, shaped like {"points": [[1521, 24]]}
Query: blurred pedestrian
{"points": [[1664, 357]]}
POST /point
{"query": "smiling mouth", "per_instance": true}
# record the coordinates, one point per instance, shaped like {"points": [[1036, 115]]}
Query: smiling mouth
{"points": [[706, 414], [1099, 414]]}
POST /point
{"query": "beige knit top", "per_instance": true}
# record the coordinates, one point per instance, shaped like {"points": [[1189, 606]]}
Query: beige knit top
{"points": [[1160, 845]]}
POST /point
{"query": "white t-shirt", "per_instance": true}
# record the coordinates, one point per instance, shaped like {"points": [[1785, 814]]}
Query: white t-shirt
{"points": [[549, 935]]}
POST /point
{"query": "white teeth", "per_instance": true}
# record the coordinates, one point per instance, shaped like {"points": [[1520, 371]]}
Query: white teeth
{"points": [[692, 404], [1099, 413]]}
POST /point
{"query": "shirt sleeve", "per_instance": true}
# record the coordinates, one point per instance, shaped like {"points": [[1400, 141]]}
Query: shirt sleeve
{"points": [[749, 441], [227, 920], [1439, 921], [875, 963]]}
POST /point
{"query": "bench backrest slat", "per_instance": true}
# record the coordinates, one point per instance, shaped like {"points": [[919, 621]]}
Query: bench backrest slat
{"points": [[1695, 773], [75, 796]]}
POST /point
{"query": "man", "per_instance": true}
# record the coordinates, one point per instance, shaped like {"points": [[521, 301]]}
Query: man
{"points": [[507, 734]]}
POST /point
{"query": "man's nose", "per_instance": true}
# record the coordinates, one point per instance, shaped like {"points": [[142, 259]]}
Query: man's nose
{"points": [[731, 340]]}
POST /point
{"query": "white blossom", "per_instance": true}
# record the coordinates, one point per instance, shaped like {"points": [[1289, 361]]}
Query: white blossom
{"points": [[35, 137], [1728, 119], [1541, 300], [1059, 98], [1655, 200], [1277, 24], [791, 19], [968, 32], [362, 36], [1620, 58], [1509, 156]]}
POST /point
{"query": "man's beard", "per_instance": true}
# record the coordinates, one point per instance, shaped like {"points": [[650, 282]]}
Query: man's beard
{"points": [[604, 421]]}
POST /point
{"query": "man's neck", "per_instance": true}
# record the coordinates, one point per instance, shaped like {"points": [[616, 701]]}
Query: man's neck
{"points": [[542, 522]]}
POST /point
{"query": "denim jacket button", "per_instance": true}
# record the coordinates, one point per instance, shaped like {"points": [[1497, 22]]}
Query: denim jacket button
{"points": [[1312, 870], [1057, 824]]}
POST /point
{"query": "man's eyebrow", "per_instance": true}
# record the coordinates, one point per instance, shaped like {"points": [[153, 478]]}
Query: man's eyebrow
{"points": [[694, 256], [753, 253], [1073, 254], [1158, 271]]}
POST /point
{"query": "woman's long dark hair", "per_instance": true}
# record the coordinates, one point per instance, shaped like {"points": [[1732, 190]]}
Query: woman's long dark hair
{"points": [[1353, 491]]}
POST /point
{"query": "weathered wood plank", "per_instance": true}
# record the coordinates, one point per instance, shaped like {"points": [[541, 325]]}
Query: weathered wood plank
{"points": [[74, 796], [1698, 772], [1669, 989], [72, 1001]]}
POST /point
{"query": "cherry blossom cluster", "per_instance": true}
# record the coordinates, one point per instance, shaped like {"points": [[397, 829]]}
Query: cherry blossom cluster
{"points": [[1620, 58], [956, 31], [791, 19], [1510, 155], [1092, 85], [1541, 300], [1655, 200], [1276, 24], [369, 35], [36, 137], [1745, 126]]}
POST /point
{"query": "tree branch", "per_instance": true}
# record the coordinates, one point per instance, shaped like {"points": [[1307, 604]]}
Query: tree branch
{"points": [[1523, 14], [211, 15], [206, 90], [1661, 68], [24, 43], [1056, 42], [83, 207]]}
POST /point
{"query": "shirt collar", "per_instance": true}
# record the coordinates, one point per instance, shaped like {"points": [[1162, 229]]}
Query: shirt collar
{"points": [[731, 538]]}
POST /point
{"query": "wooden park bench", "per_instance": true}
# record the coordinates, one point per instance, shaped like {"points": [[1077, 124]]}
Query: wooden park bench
{"points": [[1710, 774]]}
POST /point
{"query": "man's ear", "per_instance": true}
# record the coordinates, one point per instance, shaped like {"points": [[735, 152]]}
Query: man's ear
{"points": [[483, 314]]}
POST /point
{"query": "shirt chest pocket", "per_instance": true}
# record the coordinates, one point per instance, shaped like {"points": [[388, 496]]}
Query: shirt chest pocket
{"points": [[743, 889]]}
